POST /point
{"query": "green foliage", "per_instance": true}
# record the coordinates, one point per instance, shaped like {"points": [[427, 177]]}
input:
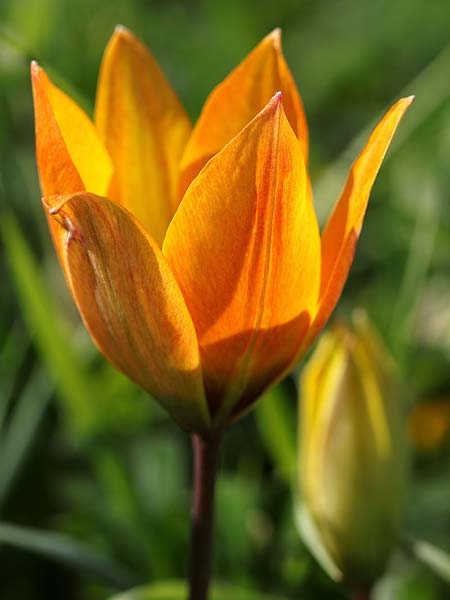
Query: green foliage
{"points": [[76, 384], [177, 591], [92, 474]]}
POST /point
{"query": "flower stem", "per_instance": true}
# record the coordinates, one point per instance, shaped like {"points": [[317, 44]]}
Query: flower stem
{"points": [[206, 452], [361, 593]]}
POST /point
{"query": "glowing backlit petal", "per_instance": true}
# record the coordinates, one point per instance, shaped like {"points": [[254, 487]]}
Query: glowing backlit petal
{"points": [[244, 282], [131, 303], [57, 172], [145, 129], [239, 98], [82, 143], [245, 249], [343, 228]]}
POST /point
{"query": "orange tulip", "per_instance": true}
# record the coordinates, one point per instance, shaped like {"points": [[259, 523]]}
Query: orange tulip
{"points": [[195, 257]]}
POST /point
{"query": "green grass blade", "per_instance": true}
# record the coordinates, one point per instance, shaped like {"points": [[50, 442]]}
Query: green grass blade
{"points": [[277, 423], [433, 77], [63, 364], [177, 590], [433, 557], [63, 549], [20, 431]]}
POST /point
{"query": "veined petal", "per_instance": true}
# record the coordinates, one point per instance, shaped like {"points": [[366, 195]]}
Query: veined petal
{"points": [[324, 375], [130, 302], [57, 172], [59, 119], [343, 228], [238, 99], [245, 249], [145, 129]]}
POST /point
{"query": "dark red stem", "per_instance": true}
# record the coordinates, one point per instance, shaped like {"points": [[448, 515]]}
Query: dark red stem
{"points": [[361, 593], [206, 452]]}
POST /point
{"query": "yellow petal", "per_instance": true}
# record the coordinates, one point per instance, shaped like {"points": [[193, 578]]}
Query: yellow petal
{"points": [[238, 99], [244, 247], [344, 226], [145, 130], [57, 172], [130, 302], [57, 116]]}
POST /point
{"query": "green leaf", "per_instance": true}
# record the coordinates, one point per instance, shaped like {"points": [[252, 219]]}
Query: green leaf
{"points": [[63, 549], [22, 425], [311, 537], [51, 337], [433, 77], [434, 558], [177, 590], [92, 402], [277, 424]]}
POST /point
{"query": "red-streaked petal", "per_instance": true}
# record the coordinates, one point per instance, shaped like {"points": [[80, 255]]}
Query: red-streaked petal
{"points": [[131, 303], [57, 172], [245, 249], [343, 228], [145, 129], [66, 138], [238, 99]]}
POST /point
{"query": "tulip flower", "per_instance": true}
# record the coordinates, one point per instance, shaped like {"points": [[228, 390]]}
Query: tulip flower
{"points": [[353, 466], [194, 255]]}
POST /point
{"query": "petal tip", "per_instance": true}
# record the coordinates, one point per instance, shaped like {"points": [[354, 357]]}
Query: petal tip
{"points": [[404, 103], [273, 106], [121, 30], [275, 38], [275, 101], [35, 69], [53, 204], [122, 34]]}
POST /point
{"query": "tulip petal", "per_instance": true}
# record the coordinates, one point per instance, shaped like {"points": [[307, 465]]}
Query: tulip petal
{"points": [[343, 228], [145, 130], [238, 99], [130, 302], [245, 249], [57, 172], [66, 138]]}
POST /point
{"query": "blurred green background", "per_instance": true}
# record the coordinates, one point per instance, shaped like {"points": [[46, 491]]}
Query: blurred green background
{"points": [[94, 478]]}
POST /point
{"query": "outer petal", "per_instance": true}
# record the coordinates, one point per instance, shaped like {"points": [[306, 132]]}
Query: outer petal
{"points": [[66, 138], [240, 97], [244, 247], [57, 172], [344, 226], [131, 303], [144, 128]]}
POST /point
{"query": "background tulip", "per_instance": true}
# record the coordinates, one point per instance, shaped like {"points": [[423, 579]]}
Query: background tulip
{"points": [[353, 466]]}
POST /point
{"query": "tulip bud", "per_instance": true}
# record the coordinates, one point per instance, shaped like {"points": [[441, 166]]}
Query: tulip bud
{"points": [[352, 451]]}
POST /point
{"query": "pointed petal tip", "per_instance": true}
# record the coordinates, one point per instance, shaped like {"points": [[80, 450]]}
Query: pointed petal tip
{"points": [[275, 101], [274, 37], [35, 69], [121, 30], [53, 204], [276, 98], [122, 35], [273, 106], [403, 104]]}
